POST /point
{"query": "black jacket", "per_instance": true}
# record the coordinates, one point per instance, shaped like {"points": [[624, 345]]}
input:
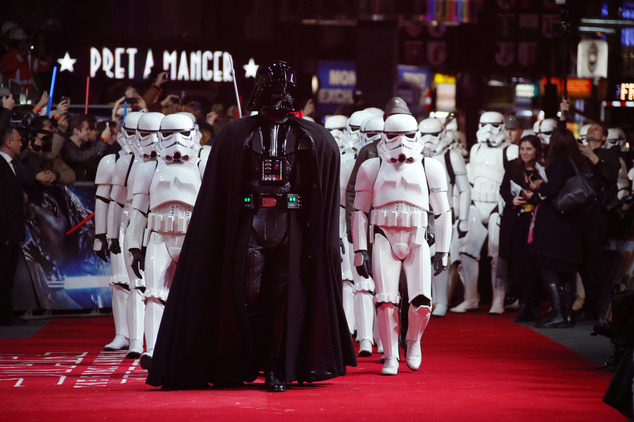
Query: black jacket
{"points": [[556, 235], [204, 335]]}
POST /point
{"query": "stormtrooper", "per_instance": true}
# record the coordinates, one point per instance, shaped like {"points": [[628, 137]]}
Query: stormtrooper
{"points": [[163, 196], [364, 313], [439, 146], [119, 281], [118, 221], [393, 196], [487, 162], [352, 144]]}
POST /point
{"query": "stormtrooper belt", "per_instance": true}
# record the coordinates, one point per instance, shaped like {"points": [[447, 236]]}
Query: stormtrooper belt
{"points": [[291, 201]]}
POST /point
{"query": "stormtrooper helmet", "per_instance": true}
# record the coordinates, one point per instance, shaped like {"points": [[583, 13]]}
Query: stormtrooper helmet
{"points": [[127, 134], [177, 138], [353, 129], [335, 125], [147, 134], [616, 138], [433, 134], [491, 130], [401, 140], [583, 133], [544, 129], [371, 130]]}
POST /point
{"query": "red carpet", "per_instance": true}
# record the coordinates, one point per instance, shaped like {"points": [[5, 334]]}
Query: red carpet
{"points": [[475, 368]]}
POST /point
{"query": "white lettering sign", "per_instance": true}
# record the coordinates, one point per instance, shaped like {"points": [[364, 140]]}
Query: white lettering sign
{"points": [[182, 65]]}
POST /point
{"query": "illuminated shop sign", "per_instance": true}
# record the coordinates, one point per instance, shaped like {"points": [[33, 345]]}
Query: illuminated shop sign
{"points": [[526, 90], [626, 92], [132, 62], [577, 87], [337, 82]]}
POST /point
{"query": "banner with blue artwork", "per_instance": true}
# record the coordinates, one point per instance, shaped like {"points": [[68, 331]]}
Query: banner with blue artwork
{"points": [[65, 271], [337, 82]]}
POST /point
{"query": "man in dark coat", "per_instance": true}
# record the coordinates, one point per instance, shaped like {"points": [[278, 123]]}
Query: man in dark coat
{"points": [[211, 331]]}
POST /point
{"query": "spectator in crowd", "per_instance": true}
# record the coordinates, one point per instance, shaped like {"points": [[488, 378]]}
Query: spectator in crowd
{"points": [[521, 202], [556, 236], [41, 142], [80, 153], [21, 62], [594, 220]]}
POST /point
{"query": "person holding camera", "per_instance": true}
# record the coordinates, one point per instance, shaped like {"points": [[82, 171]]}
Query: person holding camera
{"points": [[45, 170], [520, 204]]}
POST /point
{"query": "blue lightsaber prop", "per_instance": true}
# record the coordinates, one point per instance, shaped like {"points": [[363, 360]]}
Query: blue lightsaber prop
{"points": [[125, 111], [50, 92]]}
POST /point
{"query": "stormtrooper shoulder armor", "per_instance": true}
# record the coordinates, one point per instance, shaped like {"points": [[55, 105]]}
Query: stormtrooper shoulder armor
{"points": [[105, 170]]}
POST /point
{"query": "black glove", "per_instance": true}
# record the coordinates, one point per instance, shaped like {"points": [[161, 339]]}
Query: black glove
{"points": [[349, 236], [438, 262], [364, 269], [431, 238], [138, 261], [461, 233], [115, 247], [102, 244]]}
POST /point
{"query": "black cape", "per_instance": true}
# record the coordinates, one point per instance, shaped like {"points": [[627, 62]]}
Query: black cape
{"points": [[204, 335]]}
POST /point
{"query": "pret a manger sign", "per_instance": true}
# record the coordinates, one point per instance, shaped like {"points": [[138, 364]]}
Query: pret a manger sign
{"points": [[181, 65]]}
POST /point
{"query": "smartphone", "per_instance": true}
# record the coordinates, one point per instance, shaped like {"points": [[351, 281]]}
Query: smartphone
{"points": [[64, 98], [132, 100]]}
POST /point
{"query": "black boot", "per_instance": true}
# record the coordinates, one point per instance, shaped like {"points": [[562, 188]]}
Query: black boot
{"points": [[554, 318], [272, 378], [526, 313], [568, 290]]}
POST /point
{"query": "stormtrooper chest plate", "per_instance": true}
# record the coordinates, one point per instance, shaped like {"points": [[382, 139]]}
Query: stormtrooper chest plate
{"points": [[404, 182], [174, 183]]}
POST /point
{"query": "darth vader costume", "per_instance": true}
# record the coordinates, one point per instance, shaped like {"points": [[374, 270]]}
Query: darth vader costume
{"points": [[258, 282]]}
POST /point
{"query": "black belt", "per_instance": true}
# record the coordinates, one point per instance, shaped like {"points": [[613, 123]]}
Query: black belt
{"points": [[291, 201]]}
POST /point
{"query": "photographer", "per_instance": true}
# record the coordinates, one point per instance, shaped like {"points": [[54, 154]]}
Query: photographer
{"points": [[40, 145]]}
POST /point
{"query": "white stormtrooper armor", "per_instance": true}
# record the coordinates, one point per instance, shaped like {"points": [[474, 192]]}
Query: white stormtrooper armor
{"points": [[393, 196], [167, 189], [119, 282], [583, 133], [352, 130], [616, 139], [131, 306], [435, 139], [336, 125], [485, 171], [364, 313], [544, 130]]}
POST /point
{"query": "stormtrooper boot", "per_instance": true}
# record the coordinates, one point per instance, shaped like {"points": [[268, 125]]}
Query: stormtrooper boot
{"points": [[418, 318], [497, 304], [469, 276], [441, 296], [388, 321], [364, 316], [135, 316], [121, 339], [153, 313]]}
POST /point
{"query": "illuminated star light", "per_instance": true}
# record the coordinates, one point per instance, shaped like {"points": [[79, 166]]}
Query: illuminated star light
{"points": [[66, 63], [250, 69]]}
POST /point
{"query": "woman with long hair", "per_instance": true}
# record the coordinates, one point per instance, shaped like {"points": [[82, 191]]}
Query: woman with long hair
{"points": [[521, 202], [556, 236]]}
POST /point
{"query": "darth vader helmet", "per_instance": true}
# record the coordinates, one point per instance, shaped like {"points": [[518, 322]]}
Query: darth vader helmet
{"points": [[274, 90]]}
